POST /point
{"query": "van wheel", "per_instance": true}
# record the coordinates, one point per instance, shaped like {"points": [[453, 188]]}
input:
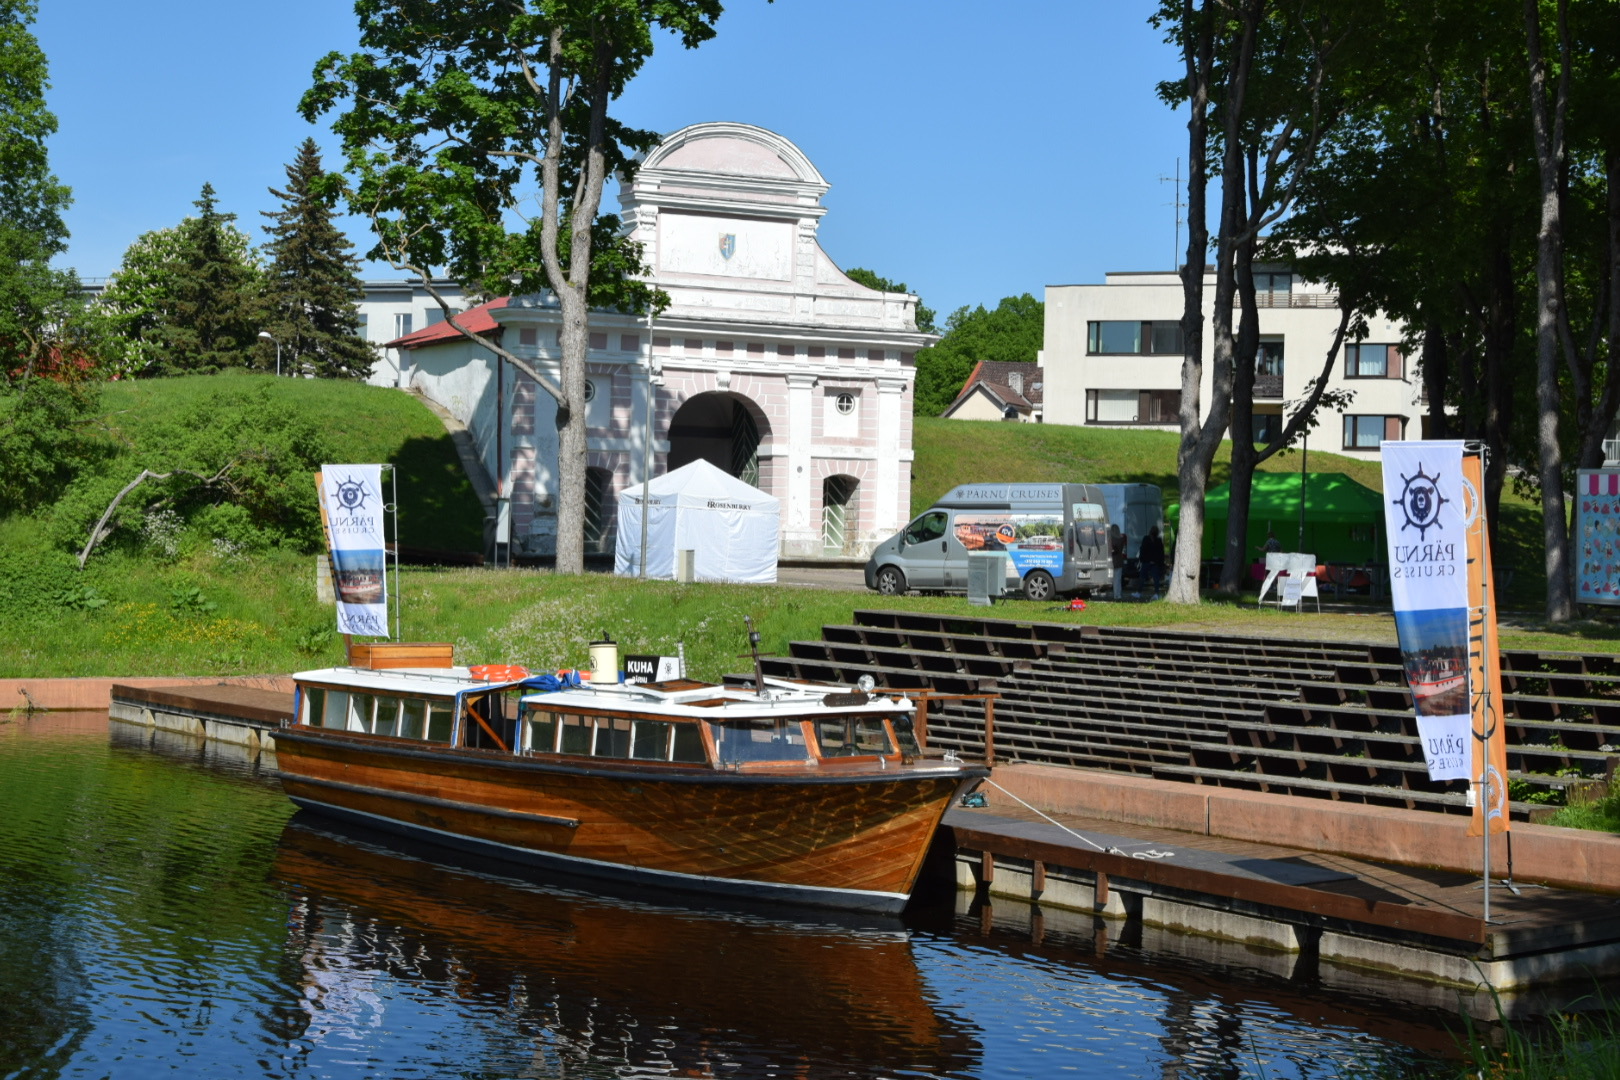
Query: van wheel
{"points": [[891, 582], [1038, 585]]}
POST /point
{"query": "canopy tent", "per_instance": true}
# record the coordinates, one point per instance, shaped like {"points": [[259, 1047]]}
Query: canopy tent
{"points": [[732, 527], [1343, 519]]}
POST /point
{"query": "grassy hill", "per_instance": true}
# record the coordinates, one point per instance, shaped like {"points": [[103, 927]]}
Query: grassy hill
{"points": [[359, 423]]}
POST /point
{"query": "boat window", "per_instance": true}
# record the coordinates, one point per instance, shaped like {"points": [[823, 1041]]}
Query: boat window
{"points": [[845, 736], [387, 716], [440, 719], [361, 707], [612, 737], [905, 733], [542, 731], [336, 714], [576, 735], [688, 745], [651, 740], [413, 718], [314, 705], [765, 741]]}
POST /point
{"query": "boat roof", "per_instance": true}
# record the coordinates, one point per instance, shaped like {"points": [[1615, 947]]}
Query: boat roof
{"points": [[706, 701], [429, 682]]}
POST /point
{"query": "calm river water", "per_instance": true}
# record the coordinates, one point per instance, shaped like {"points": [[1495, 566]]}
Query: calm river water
{"points": [[163, 912]]}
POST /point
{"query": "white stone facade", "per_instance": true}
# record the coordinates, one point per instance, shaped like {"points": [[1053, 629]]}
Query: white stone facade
{"points": [[764, 339], [1100, 371], [392, 309]]}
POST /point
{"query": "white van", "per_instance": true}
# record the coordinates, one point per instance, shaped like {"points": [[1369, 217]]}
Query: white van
{"points": [[1056, 536]]}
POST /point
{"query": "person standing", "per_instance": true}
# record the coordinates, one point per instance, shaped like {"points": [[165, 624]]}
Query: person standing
{"points": [[1116, 546], [1151, 557]]}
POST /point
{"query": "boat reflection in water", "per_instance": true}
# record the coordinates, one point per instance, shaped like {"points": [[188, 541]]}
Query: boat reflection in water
{"points": [[614, 980]]}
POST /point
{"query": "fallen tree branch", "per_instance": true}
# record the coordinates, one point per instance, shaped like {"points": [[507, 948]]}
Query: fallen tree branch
{"points": [[101, 531]]}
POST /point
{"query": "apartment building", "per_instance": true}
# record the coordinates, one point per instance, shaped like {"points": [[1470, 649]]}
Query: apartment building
{"points": [[1113, 354]]}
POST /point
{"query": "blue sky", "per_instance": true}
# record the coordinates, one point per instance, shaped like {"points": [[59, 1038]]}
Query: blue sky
{"points": [[972, 157]]}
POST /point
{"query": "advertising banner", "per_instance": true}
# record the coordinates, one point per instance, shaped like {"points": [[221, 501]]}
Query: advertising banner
{"points": [[1597, 536], [1425, 518], [352, 510], [1031, 541], [1485, 668]]}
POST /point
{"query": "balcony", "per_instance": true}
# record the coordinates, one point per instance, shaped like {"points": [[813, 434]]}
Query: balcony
{"points": [[1268, 387], [1292, 300]]}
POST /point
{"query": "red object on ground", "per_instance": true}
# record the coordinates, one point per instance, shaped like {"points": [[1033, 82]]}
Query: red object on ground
{"points": [[1077, 604]]}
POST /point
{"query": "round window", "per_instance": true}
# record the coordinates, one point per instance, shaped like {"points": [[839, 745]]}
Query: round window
{"points": [[845, 404], [590, 391]]}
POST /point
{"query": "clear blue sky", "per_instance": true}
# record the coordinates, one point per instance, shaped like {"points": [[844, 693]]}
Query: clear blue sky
{"points": [[974, 151]]}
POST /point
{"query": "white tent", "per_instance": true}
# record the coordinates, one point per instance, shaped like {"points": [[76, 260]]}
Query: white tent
{"points": [[731, 526]]}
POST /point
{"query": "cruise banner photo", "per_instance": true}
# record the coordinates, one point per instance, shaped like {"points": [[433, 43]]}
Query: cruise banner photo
{"points": [[1425, 520], [352, 508]]}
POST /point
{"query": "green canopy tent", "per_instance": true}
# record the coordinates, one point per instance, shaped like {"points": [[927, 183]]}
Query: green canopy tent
{"points": [[1343, 519]]}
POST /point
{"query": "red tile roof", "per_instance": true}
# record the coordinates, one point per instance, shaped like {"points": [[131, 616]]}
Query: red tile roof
{"points": [[478, 320]]}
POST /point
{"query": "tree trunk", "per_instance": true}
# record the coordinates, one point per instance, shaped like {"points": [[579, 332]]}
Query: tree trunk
{"points": [[1239, 489], [1436, 361], [1608, 404], [1548, 127]]}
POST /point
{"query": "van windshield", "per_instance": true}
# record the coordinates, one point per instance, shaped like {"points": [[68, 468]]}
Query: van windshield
{"points": [[1088, 512]]}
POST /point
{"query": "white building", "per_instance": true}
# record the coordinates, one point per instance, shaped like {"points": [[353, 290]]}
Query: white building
{"points": [[393, 309], [1113, 358], [769, 361]]}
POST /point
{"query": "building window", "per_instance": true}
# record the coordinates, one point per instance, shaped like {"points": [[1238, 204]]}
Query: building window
{"points": [[1268, 370], [1133, 406], [1273, 284], [1373, 362], [402, 324], [1266, 427], [845, 404], [1366, 432], [590, 391], [360, 326], [1161, 338]]}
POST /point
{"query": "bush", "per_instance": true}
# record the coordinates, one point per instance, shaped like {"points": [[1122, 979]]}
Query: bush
{"points": [[46, 440]]}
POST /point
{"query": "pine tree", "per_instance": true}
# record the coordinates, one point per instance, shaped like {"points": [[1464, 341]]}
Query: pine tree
{"points": [[213, 315], [313, 287]]}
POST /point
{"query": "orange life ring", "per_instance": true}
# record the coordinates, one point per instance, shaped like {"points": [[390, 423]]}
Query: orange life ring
{"points": [[499, 672]]}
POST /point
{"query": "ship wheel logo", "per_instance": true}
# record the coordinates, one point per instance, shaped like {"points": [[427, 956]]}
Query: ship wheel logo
{"points": [[1421, 501], [352, 494]]}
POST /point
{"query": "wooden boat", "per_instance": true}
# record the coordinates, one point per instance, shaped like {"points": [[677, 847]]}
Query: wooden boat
{"points": [[805, 794]]}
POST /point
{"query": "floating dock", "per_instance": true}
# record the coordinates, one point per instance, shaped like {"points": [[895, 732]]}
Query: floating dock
{"points": [[246, 715]]}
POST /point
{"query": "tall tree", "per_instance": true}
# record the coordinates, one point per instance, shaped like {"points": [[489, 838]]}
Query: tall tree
{"points": [[1013, 331], [185, 298], [39, 306], [454, 112], [312, 285]]}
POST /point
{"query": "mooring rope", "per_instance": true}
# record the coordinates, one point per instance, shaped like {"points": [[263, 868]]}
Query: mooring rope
{"points": [[1149, 854]]}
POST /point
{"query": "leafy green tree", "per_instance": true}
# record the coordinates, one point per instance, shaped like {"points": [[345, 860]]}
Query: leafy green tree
{"points": [[312, 285], [862, 276], [185, 298], [455, 114], [39, 306], [1015, 330]]}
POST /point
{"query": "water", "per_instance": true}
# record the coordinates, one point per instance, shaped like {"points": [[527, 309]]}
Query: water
{"points": [[163, 912]]}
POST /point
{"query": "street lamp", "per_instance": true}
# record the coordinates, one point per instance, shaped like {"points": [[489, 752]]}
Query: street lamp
{"points": [[268, 336]]}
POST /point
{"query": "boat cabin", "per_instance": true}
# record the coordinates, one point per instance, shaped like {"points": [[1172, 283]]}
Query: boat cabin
{"points": [[678, 723]]}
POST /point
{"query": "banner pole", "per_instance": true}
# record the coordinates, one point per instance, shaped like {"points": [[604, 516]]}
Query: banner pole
{"points": [[393, 510]]}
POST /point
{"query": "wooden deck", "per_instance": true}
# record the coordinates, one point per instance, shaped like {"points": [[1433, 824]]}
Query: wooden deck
{"points": [[1421, 910]]}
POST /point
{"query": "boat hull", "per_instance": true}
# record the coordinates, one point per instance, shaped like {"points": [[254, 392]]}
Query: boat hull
{"points": [[844, 839]]}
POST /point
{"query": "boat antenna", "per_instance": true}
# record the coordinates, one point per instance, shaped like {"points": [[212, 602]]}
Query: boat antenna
{"points": [[753, 649]]}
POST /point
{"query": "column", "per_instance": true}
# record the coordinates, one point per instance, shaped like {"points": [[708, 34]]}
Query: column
{"points": [[801, 533]]}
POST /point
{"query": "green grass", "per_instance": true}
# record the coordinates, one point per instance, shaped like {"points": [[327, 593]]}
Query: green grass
{"points": [[361, 424]]}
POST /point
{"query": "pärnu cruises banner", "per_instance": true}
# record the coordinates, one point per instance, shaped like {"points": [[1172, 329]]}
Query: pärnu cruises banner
{"points": [[1428, 584], [352, 510], [1441, 587]]}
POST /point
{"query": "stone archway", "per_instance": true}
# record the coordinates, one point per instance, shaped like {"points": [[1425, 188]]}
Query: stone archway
{"points": [[724, 429]]}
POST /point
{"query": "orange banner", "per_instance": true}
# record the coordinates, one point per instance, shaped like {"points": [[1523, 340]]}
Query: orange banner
{"points": [[1485, 664]]}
